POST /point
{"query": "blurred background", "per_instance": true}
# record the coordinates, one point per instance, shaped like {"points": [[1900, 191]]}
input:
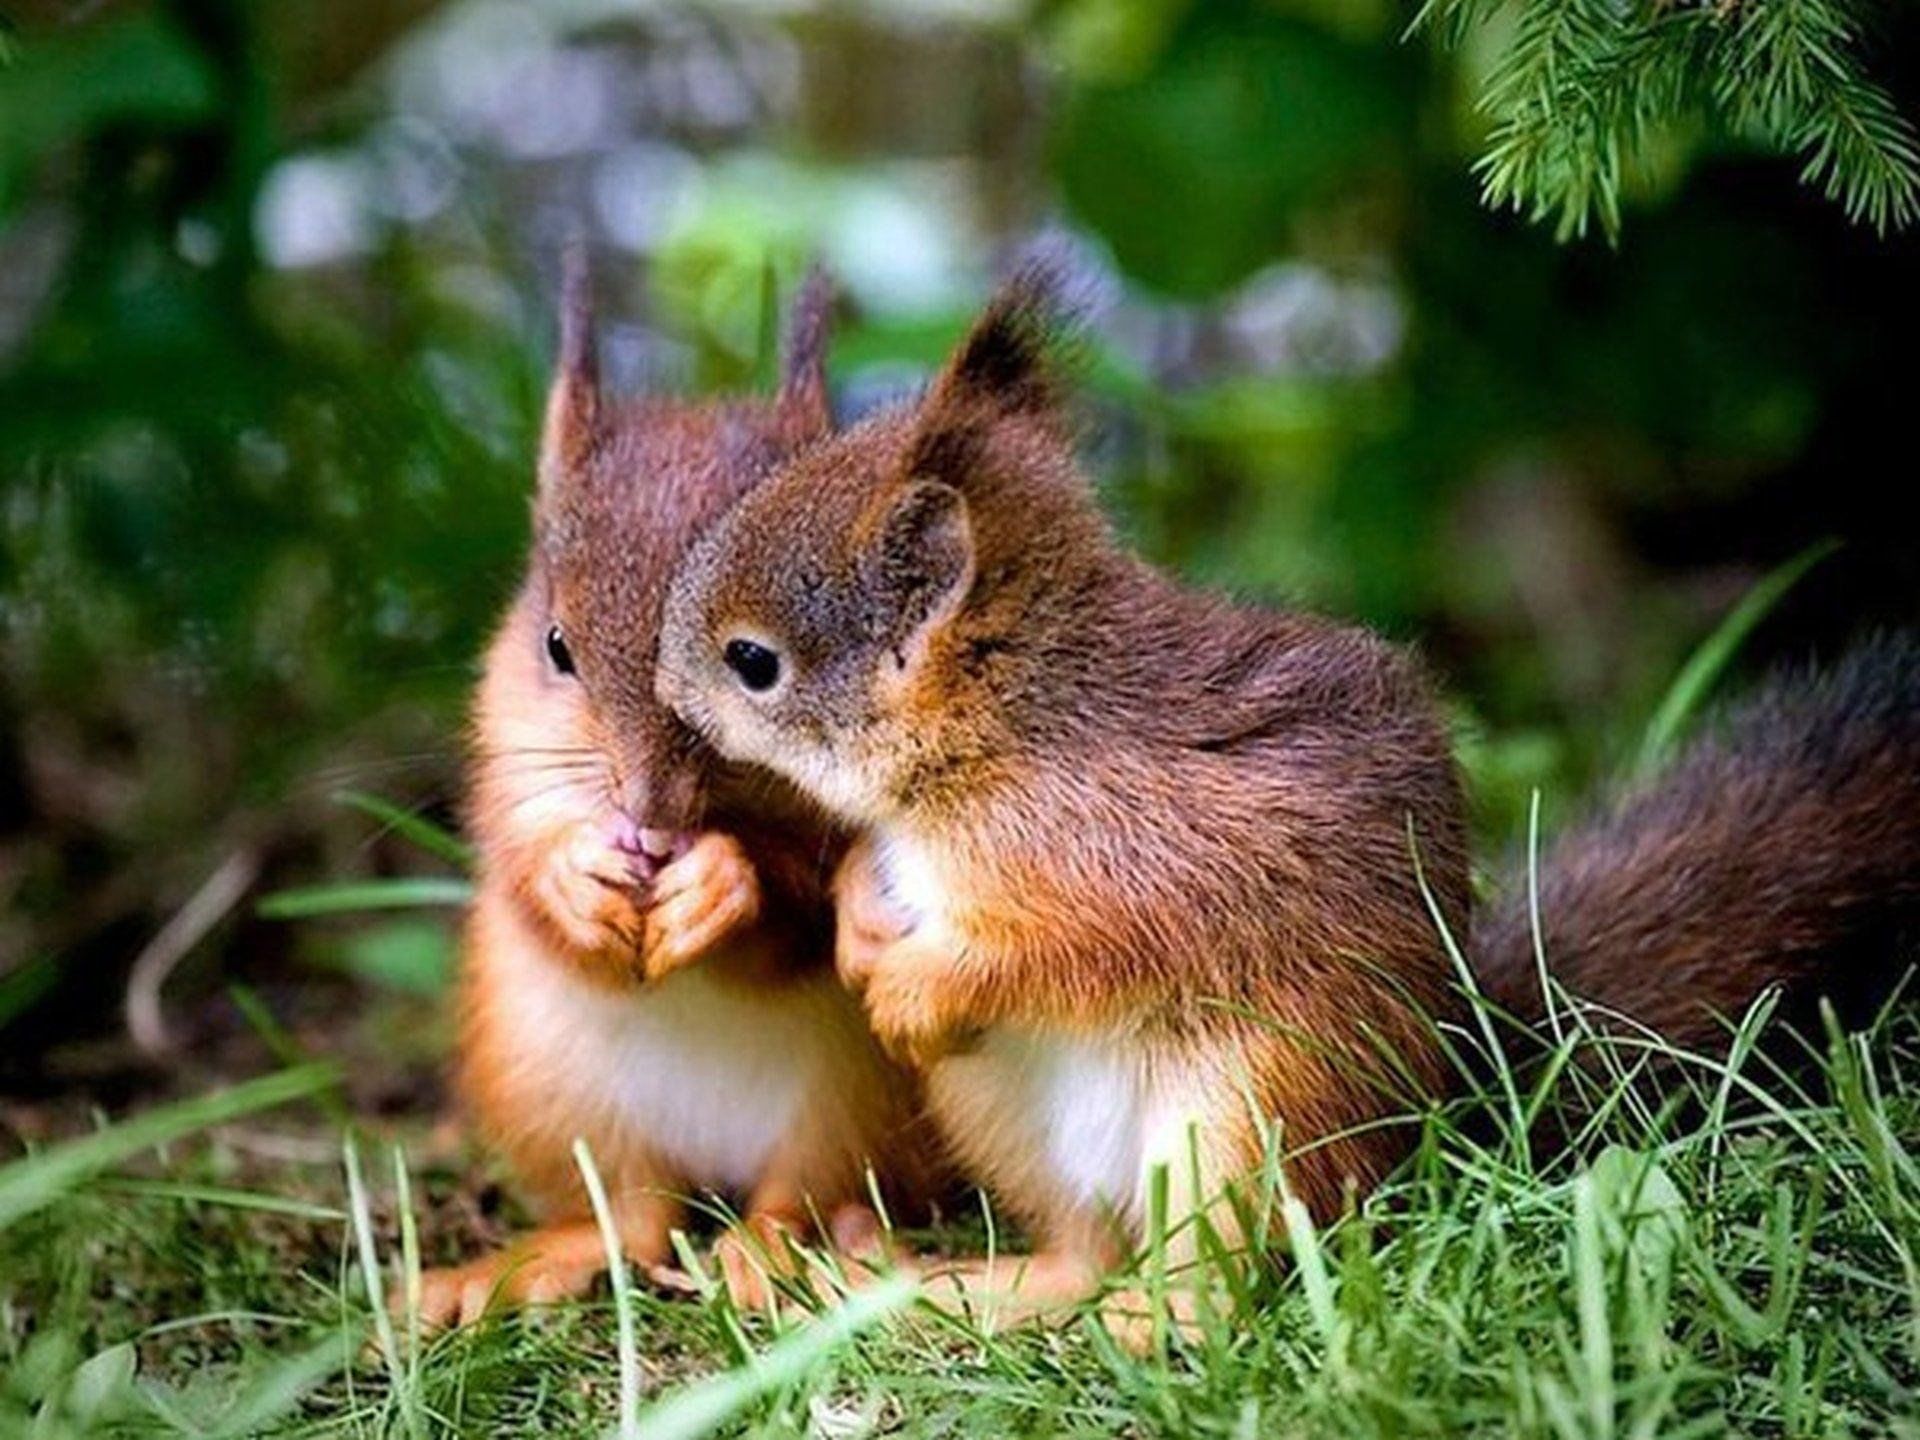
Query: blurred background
{"points": [[276, 288]]}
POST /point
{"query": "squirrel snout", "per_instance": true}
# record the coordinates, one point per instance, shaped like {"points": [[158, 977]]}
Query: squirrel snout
{"points": [[664, 846], [624, 834], [649, 851]]}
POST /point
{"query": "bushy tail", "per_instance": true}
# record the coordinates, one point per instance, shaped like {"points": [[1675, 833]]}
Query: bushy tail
{"points": [[1781, 848]]}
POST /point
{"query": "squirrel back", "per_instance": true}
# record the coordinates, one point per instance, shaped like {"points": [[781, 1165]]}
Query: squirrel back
{"points": [[1782, 848]]}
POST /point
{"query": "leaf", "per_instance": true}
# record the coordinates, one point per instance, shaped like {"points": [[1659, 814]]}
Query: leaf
{"points": [[1582, 92], [1246, 116], [281, 1387], [80, 82], [412, 956], [102, 1382], [1641, 1209]]}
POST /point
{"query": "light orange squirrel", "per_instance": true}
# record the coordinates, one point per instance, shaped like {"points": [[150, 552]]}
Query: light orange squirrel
{"points": [[647, 962], [1145, 874]]}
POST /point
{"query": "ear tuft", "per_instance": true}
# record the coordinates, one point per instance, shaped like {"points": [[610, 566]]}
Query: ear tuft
{"points": [[573, 401], [1003, 369], [803, 402], [1006, 360]]}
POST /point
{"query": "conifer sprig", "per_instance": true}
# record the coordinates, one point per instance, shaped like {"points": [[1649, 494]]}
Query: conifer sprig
{"points": [[1580, 87]]}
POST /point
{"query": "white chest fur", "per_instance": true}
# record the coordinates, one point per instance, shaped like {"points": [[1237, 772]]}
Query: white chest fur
{"points": [[1085, 1117], [709, 1075], [1082, 1099]]}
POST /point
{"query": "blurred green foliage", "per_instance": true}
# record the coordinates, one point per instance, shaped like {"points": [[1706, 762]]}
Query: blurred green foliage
{"points": [[1193, 165], [259, 502]]}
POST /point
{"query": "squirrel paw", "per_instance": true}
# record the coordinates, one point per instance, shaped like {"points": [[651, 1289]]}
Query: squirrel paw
{"points": [[1137, 1320], [867, 922], [505, 1280], [753, 1257], [588, 892], [907, 1014], [758, 1259], [705, 896]]}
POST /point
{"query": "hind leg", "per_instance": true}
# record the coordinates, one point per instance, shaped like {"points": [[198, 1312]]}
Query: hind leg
{"points": [[1003, 1291], [556, 1262], [757, 1253], [997, 1292]]}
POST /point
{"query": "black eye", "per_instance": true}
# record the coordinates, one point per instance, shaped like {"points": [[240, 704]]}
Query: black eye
{"points": [[756, 665], [558, 652]]}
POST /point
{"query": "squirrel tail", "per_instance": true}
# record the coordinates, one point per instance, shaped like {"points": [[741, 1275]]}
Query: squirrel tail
{"points": [[1782, 848]]}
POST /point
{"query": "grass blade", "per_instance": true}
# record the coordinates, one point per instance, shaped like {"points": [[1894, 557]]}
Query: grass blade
{"points": [[312, 900], [39, 1180], [360, 1211], [1311, 1264], [1596, 1329], [434, 839], [629, 1348], [702, 1408], [224, 1197], [1705, 666]]}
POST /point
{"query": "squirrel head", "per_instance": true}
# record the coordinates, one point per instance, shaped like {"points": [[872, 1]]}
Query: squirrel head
{"points": [[868, 621], [625, 487]]}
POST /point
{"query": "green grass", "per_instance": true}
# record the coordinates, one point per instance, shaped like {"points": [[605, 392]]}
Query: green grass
{"points": [[1740, 1263], [1720, 1247]]}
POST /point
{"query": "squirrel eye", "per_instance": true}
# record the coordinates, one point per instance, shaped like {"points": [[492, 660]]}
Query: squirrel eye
{"points": [[756, 665], [558, 652]]}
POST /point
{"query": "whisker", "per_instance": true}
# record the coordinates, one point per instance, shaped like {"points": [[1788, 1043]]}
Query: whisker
{"points": [[563, 751]]}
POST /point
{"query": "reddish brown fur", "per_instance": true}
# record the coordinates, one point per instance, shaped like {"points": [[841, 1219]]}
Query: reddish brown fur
{"points": [[1124, 810], [1781, 849], [721, 912]]}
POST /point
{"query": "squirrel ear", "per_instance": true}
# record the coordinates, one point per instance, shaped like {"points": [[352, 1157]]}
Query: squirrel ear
{"points": [[804, 408], [1001, 370], [573, 402], [921, 564]]}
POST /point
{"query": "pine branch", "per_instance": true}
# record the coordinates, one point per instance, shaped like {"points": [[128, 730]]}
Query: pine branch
{"points": [[1582, 86]]}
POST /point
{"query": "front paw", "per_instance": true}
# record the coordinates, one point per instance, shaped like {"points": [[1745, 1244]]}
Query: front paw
{"points": [[588, 891], [912, 1015], [867, 923], [700, 900]]}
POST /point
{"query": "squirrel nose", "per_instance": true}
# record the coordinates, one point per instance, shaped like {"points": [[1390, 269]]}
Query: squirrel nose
{"points": [[652, 838], [662, 846], [648, 849], [624, 835]]}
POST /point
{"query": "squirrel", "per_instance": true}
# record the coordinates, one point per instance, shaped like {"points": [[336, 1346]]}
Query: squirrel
{"points": [[647, 961], [1144, 875]]}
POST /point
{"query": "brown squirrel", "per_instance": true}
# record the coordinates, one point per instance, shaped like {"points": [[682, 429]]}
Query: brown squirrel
{"points": [[1137, 875], [1142, 871], [648, 958]]}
